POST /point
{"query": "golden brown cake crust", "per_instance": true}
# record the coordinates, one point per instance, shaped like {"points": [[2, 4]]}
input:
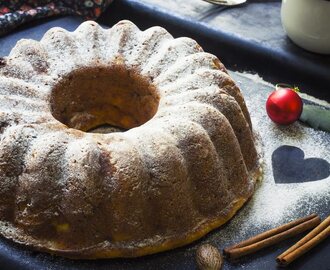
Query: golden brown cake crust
{"points": [[183, 164]]}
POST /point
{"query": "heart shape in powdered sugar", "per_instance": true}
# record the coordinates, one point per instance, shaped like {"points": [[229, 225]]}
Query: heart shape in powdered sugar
{"points": [[290, 166]]}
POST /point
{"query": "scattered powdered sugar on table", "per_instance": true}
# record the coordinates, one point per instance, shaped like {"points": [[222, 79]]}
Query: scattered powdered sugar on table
{"points": [[257, 79], [274, 204]]}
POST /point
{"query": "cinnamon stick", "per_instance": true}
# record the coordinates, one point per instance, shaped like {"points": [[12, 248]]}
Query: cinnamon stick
{"points": [[316, 236], [272, 237]]}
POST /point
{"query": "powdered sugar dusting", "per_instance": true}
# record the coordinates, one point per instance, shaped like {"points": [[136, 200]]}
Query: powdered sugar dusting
{"points": [[274, 204], [105, 182]]}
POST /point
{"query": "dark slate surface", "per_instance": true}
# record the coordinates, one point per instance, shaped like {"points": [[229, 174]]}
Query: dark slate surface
{"points": [[16, 257], [288, 160]]}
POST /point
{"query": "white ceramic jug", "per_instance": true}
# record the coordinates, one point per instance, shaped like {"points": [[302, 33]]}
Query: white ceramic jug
{"points": [[307, 23]]}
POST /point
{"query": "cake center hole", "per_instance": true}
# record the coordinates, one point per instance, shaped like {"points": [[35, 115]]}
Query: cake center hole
{"points": [[104, 100]]}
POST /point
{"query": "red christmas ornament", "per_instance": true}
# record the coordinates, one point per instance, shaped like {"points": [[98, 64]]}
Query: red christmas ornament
{"points": [[284, 106]]}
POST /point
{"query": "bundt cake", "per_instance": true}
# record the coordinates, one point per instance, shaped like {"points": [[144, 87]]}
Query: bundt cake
{"points": [[180, 162]]}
